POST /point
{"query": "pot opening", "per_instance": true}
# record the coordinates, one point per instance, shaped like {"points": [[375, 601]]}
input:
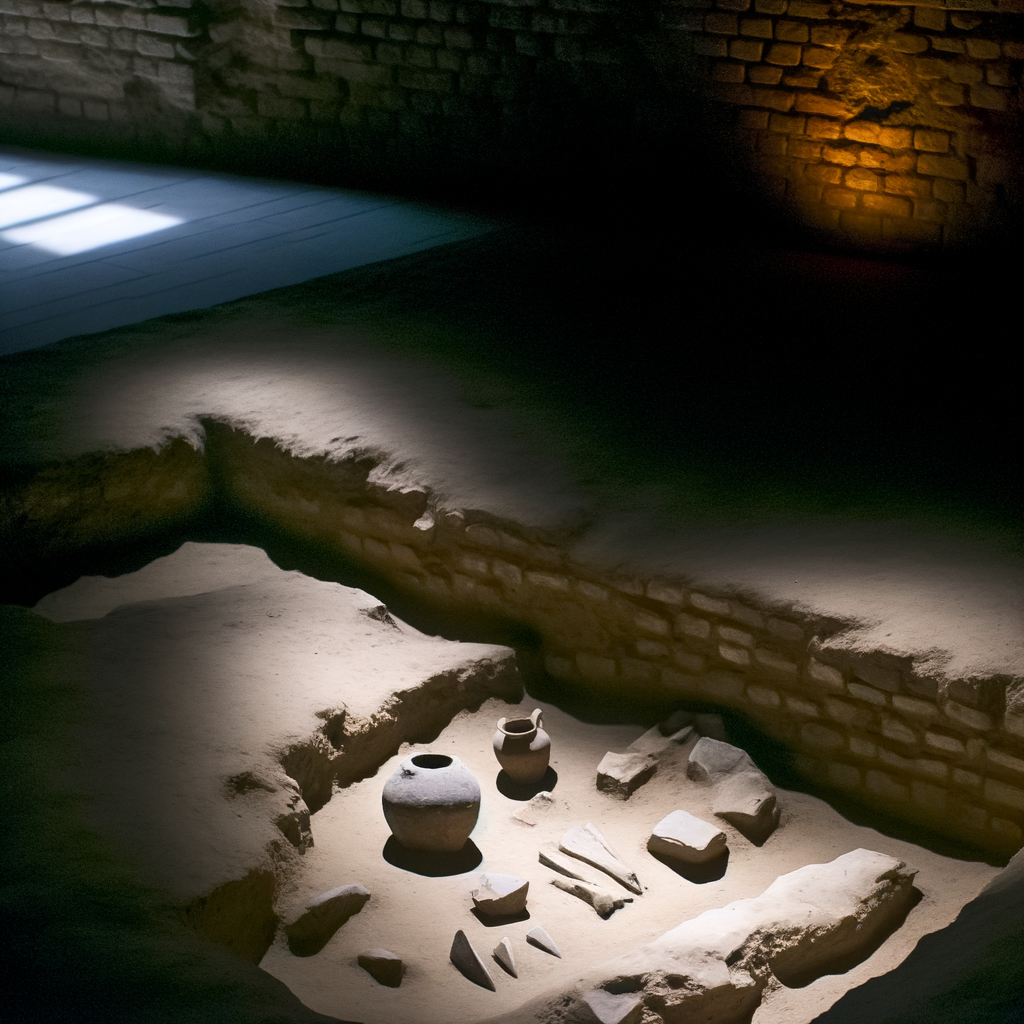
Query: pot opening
{"points": [[519, 725], [431, 760]]}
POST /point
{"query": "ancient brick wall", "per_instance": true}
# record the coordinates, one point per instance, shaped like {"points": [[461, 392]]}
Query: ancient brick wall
{"points": [[872, 123]]}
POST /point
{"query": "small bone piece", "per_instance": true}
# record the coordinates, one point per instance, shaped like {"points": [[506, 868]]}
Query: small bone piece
{"points": [[587, 844], [603, 901], [551, 857]]}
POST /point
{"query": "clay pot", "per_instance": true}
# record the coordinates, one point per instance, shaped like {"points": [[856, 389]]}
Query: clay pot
{"points": [[431, 802], [523, 748]]}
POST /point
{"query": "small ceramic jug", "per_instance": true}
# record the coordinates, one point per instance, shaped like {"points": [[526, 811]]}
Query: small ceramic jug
{"points": [[431, 802], [523, 748]]}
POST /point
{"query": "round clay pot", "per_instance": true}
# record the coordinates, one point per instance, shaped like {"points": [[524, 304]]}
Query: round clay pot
{"points": [[432, 802], [523, 748]]}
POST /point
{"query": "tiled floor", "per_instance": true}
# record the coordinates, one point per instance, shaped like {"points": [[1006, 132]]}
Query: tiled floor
{"points": [[77, 256]]}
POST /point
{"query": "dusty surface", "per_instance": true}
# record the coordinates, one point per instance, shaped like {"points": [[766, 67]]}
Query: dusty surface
{"points": [[209, 667], [416, 916], [952, 602]]}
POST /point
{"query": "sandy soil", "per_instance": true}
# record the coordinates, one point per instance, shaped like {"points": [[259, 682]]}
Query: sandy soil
{"points": [[416, 916]]}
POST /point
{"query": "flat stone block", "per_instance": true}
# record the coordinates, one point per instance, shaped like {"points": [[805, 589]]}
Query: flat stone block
{"points": [[622, 774], [684, 837]]}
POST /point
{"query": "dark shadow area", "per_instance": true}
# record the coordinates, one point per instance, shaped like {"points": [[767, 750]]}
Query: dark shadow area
{"points": [[489, 921], [525, 790], [430, 864], [858, 942], [699, 874]]}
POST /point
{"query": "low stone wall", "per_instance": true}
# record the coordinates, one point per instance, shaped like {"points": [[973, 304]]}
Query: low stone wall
{"points": [[873, 124], [945, 753]]}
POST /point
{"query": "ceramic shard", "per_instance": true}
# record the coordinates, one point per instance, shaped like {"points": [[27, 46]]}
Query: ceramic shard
{"points": [[500, 895], [540, 938], [468, 961], [383, 966], [587, 844], [503, 954]]}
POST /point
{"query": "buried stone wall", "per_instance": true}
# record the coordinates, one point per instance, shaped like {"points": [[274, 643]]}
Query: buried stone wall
{"points": [[946, 753], [891, 126]]}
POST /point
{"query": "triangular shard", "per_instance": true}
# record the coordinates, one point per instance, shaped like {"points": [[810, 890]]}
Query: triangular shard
{"points": [[540, 938], [503, 954], [588, 845], [465, 957]]}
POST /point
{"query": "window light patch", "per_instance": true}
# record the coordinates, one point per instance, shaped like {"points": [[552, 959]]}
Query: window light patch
{"points": [[88, 229], [10, 180], [19, 205]]}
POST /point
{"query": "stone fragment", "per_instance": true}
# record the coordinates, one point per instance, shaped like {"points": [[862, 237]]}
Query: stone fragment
{"points": [[551, 857], [540, 938], [587, 844], [500, 895], [655, 742], [747, 801], [603, 901], [537, 806], [622, 774], [744, 796], [383, 966], [466, 958], [681, 836], [711, 760], [503, 954], [611, 1008], [322, 917]]}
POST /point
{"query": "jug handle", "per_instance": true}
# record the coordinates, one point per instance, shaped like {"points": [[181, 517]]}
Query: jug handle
{"points": [[537, 718], [501, 723]]}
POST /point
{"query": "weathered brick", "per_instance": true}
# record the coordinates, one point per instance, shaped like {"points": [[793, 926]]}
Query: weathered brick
{"points": [[774, 99], [820, 128], [1006, 760], [894, 729], [734, 655], [829, 35], [667, 593], [821, 737], [415, 9], [988, 97], [931, 210], [711, 605], [825, 674], [338, 49], [802, 149], [863, 747], [774, 661], [728, 71], [733, 5], [865, 131], [783, 54], [884, 160], [905, 185], [849, 714], [826, 174], [964, 73], [929, 17], [755, 120], [866, 693], [772, 145], [178, 25], [943, 166], [690, 625], [947, 94], [884, 786], [802, 706], [150, 46], [886, 205], [931, 141], [983, 49], [814, 103], [962, 777], [771, 6], [721, 24], [745, 49], [441, 10], [786, 125], [999, 75], [791, 31], [759, 28], [907, 42], [763, 696], [968, 716], [862, 179], [1000, 793], [803, 9], [711, 46], [948, 44], [843, 775], [762, 74], [371, 75], [1013, 49], [948, 191]]}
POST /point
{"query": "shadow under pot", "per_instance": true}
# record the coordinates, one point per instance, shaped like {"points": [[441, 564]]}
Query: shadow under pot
{"points": [[523, 748], [431, 802]]}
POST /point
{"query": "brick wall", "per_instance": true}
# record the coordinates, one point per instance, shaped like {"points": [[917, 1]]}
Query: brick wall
{"points": [[875, 124]]}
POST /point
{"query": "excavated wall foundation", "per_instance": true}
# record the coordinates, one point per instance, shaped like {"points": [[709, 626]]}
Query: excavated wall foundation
{"points": [[947, 754]]}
